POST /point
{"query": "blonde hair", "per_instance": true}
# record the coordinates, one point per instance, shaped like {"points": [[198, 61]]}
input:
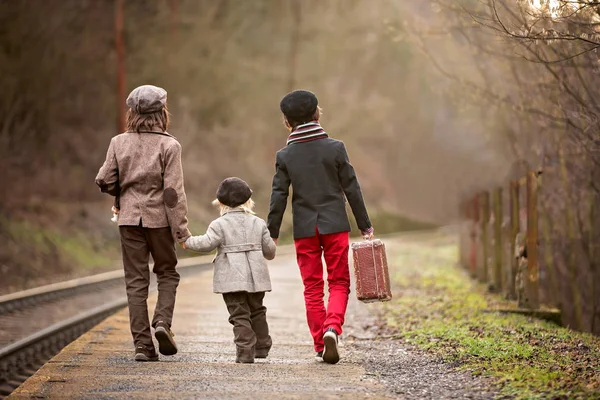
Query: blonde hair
{"points": [[248, 207]]}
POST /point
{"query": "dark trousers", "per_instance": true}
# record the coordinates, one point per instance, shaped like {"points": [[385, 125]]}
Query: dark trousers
{"points": [[137, 243], [248, 316]]}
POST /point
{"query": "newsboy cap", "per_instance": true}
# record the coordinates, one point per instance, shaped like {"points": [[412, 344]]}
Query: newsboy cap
{"points": [[147, 99], [233, 192], [299, 104]]}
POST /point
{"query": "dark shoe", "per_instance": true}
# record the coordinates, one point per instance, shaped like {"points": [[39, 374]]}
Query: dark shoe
{"points": [[261, 353], [166, 343], [319, 356], [330, 353], [245, 356], [142, 353]]}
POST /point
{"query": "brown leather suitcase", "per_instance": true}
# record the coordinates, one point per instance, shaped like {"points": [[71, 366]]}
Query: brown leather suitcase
{"points": [[371, 271]]}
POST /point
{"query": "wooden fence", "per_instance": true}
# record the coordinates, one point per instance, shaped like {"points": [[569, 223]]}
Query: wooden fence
{"points": [[499, 241]]}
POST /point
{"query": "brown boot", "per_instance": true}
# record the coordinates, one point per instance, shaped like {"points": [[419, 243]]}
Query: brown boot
{"points": [[143, 353], [245, 356], [261, 352], [166, 343]]}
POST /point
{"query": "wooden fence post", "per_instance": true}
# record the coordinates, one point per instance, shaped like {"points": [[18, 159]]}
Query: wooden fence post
{"points": [[474, 207], [514, 230], [497, 251], [532, 281], [462, 235], [484, 217]]}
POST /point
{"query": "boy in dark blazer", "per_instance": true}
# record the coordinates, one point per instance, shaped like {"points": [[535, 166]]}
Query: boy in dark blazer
{"points": [[322, 177]]}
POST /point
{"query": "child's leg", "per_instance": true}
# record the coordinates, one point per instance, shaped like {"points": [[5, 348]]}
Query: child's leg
{"points": [[335, 248], [239, 316], [308, 254], [258, 315], [162, 248], [136, 253]]}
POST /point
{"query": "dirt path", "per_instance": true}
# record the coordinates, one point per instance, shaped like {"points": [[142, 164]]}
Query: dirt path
{"points": [[406, 372], [99, 365]]}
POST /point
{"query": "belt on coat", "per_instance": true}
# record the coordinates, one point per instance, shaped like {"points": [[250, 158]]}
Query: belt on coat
{"points": [[241, 248]]}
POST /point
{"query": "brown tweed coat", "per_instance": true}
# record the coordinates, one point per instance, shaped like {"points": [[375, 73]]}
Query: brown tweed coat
{"points": [[144, 170]]}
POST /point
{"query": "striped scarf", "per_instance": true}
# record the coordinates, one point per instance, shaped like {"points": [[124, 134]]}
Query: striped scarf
{"points": [[306, 133]]}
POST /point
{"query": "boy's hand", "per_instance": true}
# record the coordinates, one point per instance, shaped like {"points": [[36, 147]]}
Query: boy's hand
{"points": [[183, 245], [275, 240], [368, 234]]}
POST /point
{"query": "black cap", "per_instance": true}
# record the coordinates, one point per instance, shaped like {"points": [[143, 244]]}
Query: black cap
{"points": [[233, 192], [299, 104]]}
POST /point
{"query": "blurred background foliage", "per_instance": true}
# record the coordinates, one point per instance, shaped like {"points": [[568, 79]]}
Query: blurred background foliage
{"points": [[418, 139]]}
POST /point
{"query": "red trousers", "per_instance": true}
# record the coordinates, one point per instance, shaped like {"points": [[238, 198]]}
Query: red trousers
{"points": [[308, 253]]}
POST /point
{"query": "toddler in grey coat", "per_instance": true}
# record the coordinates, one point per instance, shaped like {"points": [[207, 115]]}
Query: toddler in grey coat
{"points": [[243, 242]]}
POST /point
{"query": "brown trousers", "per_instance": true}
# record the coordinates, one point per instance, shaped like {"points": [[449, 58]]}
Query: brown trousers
{"points": [[248, 316], [137, 243]]}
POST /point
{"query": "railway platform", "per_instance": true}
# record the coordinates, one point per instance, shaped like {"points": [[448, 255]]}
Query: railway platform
{"points": [[100, 365]]}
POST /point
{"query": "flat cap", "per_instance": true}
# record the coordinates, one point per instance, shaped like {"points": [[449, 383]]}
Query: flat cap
{"points": [[147, 99], [233, 192], [299, 104]]}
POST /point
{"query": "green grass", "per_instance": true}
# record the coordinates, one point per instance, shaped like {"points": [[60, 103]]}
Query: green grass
{"points": [[439, 308], [37, 255]]}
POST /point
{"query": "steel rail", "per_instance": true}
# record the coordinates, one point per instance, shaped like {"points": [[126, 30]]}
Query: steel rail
{"points": [[20, 360], [28, 298], [33, 351]]}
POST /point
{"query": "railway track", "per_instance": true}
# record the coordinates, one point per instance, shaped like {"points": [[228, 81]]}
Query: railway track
{"points": [[36, 324]]}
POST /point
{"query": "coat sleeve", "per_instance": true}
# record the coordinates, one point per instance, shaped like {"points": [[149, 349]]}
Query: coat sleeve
{"points": [[279, 196], [352, 190], [207, 242], [108, 175], [174, 194], [269, 248]]}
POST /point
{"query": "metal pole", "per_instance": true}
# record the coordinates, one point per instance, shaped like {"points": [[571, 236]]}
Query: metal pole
{"points": [[174, 20], [120, 50]]}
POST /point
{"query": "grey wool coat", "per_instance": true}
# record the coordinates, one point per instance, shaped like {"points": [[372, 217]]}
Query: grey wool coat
{"points": [[144, 171], [243, 242]]}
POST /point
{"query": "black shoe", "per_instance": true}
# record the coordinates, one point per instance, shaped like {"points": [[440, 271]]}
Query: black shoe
{"points": [[166, 343], [319, 356], [330, 353], [142, 353]]}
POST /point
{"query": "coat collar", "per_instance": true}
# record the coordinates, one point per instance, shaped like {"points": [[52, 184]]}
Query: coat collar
{"points": [[234, 210], [159, 132]]}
